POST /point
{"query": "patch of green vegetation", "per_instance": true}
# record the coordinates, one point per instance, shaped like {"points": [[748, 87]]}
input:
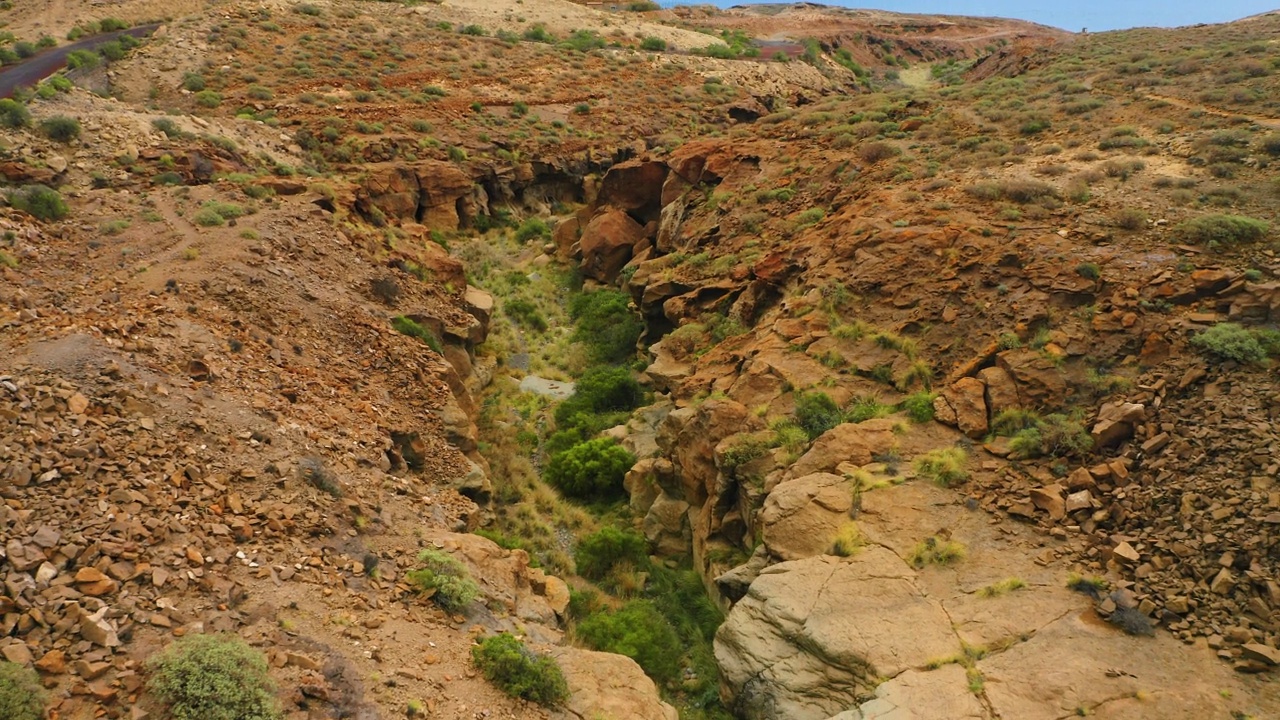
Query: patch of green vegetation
{"points": [[944, 466], [1002, 587], [14, 114], [21, 695], [60, 128], [935, 550], [507, 663], [39, 201], [213, 677], [590, 470], [848, 541], [408, 326], [816, 413], [1229, 341], [600, 552], [605, 323], [1217, 230], [444, 579], [919, 407]]}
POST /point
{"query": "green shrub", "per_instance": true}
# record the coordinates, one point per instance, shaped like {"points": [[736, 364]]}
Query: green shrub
{"points": [[919, 406], [1089, 271], [590, 470], [599, 552], [1229, 341], [816, 413], [1032, 436], [945, 466], [444, 579], [86, 59], [525, 313], [473, 30], [213, 677], [206, 217], [14, 114], [193, 82], [601, 399], [1221, 229], [208, 98], [639, 631], [40, 202], [653, 44], [533, 228], [605, 323], [61, 128], [21, 696], [583, 41], [538, 33], [507, 663], [408, 326]]}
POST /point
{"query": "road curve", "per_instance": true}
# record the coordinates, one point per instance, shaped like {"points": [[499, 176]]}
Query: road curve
{"points": [[38, 67]]}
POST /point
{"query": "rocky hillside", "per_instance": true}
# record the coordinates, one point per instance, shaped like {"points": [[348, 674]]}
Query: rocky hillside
{"points": [[955, 345]]}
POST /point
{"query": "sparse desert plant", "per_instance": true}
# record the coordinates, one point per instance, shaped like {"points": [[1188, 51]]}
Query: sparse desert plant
{"points": [[848, 540], [1089, 271], [944, 466], [21, 696], [444, 579], [513, 668], [316, 474], [14, 114], [208, 98], [1002, 587], [39, 201], [1229, 341], [213, 677], [1132, 621], [874, 152], [1130, 219], [1092, 586], [653, 44], [526, 313], [60, 128], [1221, 230], [935, 550], [193, 82]]}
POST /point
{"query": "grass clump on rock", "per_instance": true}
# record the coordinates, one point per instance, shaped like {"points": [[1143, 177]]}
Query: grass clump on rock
{"points": [[935, 550], [213, 677], [444, 579], [505, 661], [945, 466]]}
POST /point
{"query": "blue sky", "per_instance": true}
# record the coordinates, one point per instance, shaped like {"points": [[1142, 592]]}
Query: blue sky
{"points": [[1071, 14]]}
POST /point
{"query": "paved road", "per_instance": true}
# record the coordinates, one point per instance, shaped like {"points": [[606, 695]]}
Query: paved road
{"points": [[36, 68]]}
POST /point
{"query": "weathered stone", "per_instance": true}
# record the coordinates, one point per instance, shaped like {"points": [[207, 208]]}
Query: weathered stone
{"points": [[966, 401], [607, 243], [1115, 423], [1050, 500], [814, 634], [608, 685], [802, 516]]}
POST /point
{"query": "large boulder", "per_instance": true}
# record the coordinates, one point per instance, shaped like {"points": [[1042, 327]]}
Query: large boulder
{"points": [[605, 685], [427, 192], [964, 405], [635, 185], [1116, 422], [607, 243], [812, 636], [1040, 382], [854, 443], [801, 517]]}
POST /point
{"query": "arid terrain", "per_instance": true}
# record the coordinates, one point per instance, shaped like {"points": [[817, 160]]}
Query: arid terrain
{"points": [[771, 362]]}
